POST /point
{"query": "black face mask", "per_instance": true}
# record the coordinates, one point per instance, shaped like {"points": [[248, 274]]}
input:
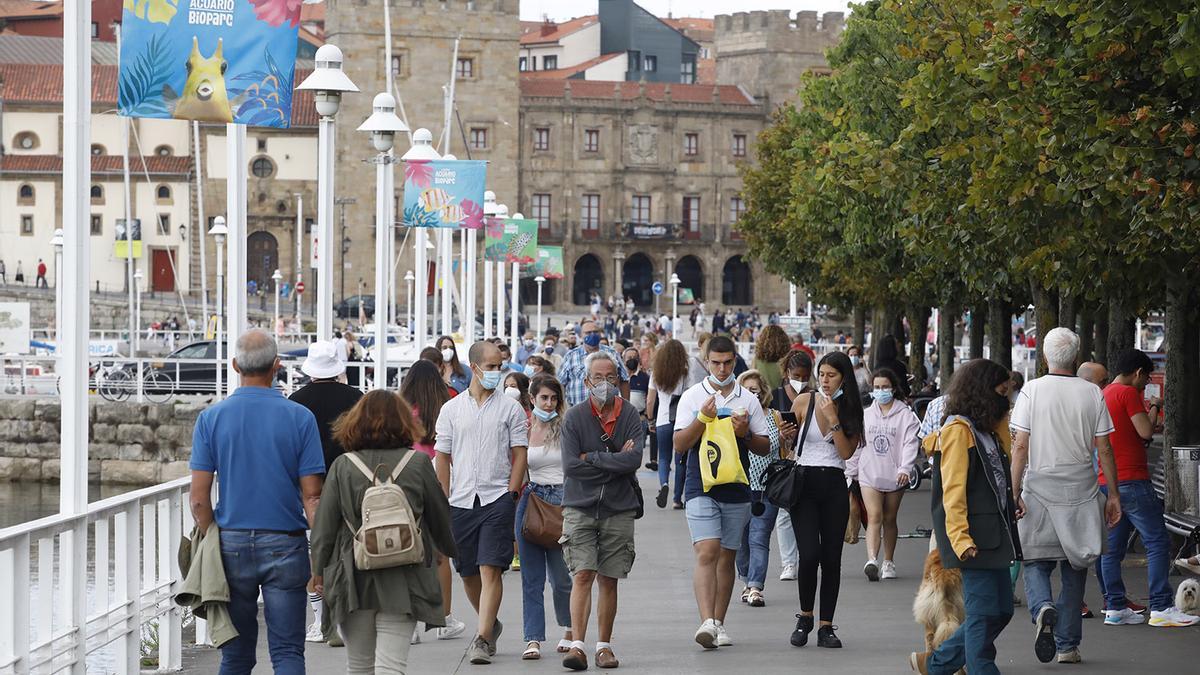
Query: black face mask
{"points": [[631, 364]]}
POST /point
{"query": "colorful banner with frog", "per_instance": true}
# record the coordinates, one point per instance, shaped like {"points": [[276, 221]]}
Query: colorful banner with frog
{"points": [[444, 193], [511, 240], [209, 60]]}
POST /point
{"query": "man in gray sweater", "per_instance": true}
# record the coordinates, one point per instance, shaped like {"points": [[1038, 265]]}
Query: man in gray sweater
{"points": [[602, 450]]}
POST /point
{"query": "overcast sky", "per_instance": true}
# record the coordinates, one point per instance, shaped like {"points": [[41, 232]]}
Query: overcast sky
{"points": [[534, 10]]}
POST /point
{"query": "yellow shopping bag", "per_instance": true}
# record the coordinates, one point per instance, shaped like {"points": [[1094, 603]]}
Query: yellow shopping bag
{"points": [[720, 461]]}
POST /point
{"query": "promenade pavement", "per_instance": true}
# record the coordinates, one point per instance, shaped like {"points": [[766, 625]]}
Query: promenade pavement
{"points": [[657, 618]]}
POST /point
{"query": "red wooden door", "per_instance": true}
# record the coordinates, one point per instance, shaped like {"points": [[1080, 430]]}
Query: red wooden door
{"points": [[162, 275]]}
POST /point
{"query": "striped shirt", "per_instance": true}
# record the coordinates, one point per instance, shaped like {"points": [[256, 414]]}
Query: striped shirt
{"points": [[479, 440], [573, 373]]}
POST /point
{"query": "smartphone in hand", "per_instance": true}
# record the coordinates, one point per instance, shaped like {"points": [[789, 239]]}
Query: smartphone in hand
{"points": [[789, 416]]}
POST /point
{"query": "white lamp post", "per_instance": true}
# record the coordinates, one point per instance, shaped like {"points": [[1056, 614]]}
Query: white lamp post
{"points": [[57, 242], [219, 232], [383, 125], [328, 83], [137, 315], [674, 303], [421, 150], [490, 209], [408, 313], [502, 214], [514, 340], [276, 277], [540, 280]]}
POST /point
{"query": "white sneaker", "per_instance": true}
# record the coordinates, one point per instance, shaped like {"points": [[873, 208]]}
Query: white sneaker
{"points": [[453, 628], [788, 573], [1171, 617], [723, 639], [706, 634], [416, 636], [314, 634], [1070, 656], [889, 570], [871, 569], [1123, 617]]}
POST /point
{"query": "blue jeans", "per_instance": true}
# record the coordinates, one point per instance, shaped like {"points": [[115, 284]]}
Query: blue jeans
{"points": [[277, 564], [987, 599], [536, 562], [668, 457], [755, 553], [1142, 510], [1069, 629]]}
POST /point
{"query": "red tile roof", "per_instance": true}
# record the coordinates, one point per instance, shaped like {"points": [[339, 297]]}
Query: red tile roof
{"points": [[628, 91], [563, 73], [101, 164], [312, 13], [22, 9], [553, 32], [43, 84], [691, 23]]}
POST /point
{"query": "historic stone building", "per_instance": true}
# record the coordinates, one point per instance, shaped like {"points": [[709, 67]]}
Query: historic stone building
{"points": [[766, 52]]}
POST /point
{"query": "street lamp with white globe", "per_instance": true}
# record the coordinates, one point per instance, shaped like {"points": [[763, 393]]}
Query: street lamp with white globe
{"points": [[218, 231], [540, 280], [674, 303], [327, 82], [57, 242], [137, 314], [383, 125], [277, 277], [408, 279]]}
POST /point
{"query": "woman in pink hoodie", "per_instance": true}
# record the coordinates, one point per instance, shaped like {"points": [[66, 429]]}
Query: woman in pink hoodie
{"points": [[883, 468]]}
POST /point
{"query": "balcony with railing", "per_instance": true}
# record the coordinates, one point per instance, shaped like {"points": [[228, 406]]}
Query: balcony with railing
{"points": [[665, 232]]}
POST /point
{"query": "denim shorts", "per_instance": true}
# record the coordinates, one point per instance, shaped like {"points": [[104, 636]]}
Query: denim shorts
{"points": [[710, 519]]}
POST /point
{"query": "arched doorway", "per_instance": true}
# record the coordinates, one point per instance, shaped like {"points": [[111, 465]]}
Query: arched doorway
{"points": [[736, 282], [262, 259], [589, 278], [691, 276], [636, 279]]}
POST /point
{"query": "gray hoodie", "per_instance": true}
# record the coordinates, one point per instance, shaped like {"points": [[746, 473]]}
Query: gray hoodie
{"points": [[603, 483]]}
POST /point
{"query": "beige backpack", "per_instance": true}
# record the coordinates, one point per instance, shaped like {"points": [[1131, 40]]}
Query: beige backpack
{"points": [[390, 534]]}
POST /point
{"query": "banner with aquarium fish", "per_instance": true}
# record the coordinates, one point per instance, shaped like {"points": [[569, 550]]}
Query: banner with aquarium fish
{"points": [[511, 240], [209, 60], [549, 264], [444, 193]]}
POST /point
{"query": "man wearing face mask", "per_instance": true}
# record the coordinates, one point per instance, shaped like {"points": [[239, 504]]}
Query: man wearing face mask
{"points": [[602, 441], [717, 516], [481, 444], [573, 373], [527, 348], [860, 370]]}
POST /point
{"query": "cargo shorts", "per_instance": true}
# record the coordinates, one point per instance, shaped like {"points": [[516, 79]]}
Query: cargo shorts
{"points": [[603, 545]]}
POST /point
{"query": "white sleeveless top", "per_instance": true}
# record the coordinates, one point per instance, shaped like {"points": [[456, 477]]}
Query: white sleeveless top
{"points": [[818, 450]]}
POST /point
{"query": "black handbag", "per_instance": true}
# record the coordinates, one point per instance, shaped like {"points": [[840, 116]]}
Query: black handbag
{"points": [[783, 479]]}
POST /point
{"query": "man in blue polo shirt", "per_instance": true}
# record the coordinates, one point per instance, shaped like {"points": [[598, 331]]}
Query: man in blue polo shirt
{"points": [[717, 517], [267, 452]]}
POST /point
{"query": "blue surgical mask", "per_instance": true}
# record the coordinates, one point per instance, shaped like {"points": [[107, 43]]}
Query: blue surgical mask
{"points": [[543, 415], [490, 379], [722, 383], [884, 396], [529, 371], [837, 394], [592, 339]]}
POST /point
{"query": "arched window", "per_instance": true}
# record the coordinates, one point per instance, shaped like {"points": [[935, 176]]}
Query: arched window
{"points": [[262, 167], [25, 194], [97, 193], [163, 151], [98, 149], [163, 193], [26, 140]]}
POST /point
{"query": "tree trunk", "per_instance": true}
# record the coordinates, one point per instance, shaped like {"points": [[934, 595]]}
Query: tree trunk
{"points": [[1066, 311], [1100, 350], [945, 346], [860, 326], [1087, 333], [1045, 307], [1000, 331], [1120, 330], [1183, 368], [897, 330], [918, 325], [977, 329], [877, 332]]}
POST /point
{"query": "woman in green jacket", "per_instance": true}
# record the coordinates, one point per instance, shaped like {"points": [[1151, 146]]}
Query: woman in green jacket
{"points": [[377, 610]]}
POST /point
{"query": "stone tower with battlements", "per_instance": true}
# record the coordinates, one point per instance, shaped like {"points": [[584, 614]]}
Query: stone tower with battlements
{"points": [[766, 52], [487, 96]]}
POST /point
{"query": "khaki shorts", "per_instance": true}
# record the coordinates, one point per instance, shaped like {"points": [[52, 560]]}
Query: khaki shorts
{"points": [[604, 546]]}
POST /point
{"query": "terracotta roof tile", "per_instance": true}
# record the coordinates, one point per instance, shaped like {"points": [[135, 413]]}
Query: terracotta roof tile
{"points": [[10, 9], [628, 91], [101, 164], [563, 73], [553, 32]]}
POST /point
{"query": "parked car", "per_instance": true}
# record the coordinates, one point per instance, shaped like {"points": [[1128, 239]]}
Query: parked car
{"points": [[348, 307]]}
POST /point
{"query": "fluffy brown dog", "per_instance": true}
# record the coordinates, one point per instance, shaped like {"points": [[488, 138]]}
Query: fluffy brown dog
{"points": [[939, 602]]}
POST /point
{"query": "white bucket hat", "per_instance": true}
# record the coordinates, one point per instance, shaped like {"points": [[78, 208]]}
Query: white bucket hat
{"points": [[322, 362]]}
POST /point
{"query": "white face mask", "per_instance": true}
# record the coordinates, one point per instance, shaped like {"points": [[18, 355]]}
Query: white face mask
{"points": [[513, 393], [448, 354], [798, 385]]}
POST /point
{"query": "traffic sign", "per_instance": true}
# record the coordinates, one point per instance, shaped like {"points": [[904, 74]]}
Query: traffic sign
{"points": [[657, 288], [299, 286]]}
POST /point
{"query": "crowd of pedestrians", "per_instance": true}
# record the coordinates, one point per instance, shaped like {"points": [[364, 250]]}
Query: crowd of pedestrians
{"points": [[528, 462]]}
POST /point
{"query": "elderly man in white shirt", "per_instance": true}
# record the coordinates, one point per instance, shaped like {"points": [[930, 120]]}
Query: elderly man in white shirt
{"points": [[481, 445]]}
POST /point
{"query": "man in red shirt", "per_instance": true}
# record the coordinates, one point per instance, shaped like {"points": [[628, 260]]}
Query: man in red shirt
{"points": [[1134, 422], [41, 275]]}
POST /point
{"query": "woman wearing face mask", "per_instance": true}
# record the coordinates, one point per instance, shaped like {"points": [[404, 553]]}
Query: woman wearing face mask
{"points": [[796, 367], [883, 468], [772, 346], [890, 355], [545, 481], [835, 431], [669, 378], [536, 365], [516, 387], [455, 374], [861, 374]]}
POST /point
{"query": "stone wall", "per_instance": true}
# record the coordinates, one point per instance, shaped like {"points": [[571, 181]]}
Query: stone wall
{"points": [[131, 443]]}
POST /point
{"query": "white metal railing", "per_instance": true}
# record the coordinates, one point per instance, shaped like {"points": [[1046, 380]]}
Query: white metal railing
{"points": [[130, 579]]}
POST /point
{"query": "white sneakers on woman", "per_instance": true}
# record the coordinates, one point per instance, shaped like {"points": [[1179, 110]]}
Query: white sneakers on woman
{"points": [[888, 570]]}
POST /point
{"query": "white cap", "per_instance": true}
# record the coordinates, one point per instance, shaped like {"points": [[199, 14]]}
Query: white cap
{"points": [[322, 362]]}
